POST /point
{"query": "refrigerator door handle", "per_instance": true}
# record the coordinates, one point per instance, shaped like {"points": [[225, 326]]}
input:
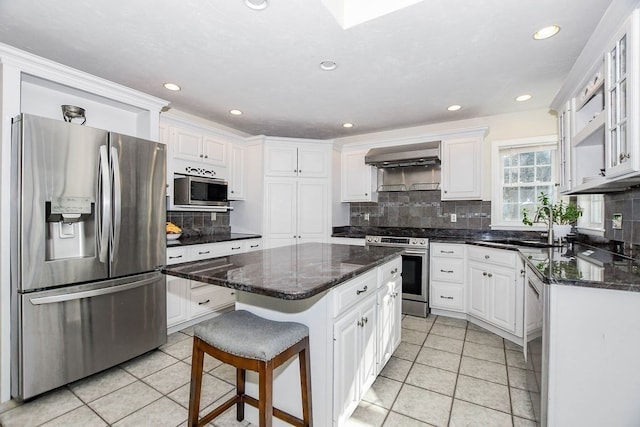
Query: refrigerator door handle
{"points": [[117, 202], [93, 293], [103, 212]]}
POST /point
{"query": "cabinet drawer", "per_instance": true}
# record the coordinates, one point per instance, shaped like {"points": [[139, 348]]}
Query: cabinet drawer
{"points": [[210, 297], [177, 255], [504, 257], [229, 248], [253, 245], [353, 291], [390, 271], [450, 250], [197, 252], [447, 269], [450, 297]]}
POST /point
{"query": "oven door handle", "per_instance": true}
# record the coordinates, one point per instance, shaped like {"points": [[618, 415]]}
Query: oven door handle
{"points": [[425, 252]]}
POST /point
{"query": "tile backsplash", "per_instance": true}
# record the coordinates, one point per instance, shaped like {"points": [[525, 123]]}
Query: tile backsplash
{"points": [[200, 223], [626, 203], [422, 209]]}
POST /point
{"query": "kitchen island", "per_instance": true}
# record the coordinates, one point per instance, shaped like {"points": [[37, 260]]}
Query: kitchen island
{"points": [[348, 296]]}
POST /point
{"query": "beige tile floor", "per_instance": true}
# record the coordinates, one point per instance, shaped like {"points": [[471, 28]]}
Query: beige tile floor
{"points": [[446, 372]]}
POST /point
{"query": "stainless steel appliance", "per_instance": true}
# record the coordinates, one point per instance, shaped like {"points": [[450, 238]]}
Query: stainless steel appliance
{"points": [[415, 271], [88, 238], [536, 333], [198, 191]]}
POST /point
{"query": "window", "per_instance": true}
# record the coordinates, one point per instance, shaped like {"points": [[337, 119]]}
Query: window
{"points": [[522, 170], [592, 219]]}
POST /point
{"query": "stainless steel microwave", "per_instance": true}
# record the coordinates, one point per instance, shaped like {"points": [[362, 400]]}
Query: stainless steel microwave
{"points": [[198, 191]]}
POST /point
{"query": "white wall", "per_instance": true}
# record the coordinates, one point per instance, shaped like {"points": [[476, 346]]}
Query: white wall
{"points": [[504, 126]]}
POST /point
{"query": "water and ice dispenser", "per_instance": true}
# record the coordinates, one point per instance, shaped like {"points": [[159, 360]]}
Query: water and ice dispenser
{"points": [[70, 230]]}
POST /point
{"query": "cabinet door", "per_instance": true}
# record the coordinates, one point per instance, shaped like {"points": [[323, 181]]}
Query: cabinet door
{"points": [[346, 360], [477, 289], [462, 169], [281, 159], [236, 173], [502, 298], [368, 322], [620, 98], [313, 215], [280, 210], [187, 145], [388, 327], [177, 300], [564, 149], [214, 151], [356, 178], [313, 162]]}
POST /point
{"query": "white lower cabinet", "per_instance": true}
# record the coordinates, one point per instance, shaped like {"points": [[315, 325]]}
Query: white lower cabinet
{"points": [[189, 300], [366, 331], [495, 291], [446, 287], [389, 311]]}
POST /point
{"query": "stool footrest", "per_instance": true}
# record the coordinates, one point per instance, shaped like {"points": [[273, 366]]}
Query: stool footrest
{"points": [[219, 410], [284, 416]]}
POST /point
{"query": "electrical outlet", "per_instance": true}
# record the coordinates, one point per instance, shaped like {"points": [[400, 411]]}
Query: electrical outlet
{"points": [[213, 216], [617, 221], [454, 218], [366, 216]]}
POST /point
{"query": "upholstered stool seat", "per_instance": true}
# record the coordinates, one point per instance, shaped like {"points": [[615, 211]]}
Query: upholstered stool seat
{"points": [[247, 341]]}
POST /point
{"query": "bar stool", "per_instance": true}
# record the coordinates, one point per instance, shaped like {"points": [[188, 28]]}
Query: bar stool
{"points": [[246, 341]]}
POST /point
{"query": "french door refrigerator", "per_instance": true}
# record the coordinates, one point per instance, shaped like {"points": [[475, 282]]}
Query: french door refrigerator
{"points": [[88, 238]]}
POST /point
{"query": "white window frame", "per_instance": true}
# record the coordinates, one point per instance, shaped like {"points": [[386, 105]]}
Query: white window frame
{"points": [[588, 204], [536, 142]]}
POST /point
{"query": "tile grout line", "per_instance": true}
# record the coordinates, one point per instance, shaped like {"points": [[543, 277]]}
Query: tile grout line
{"points": [[455, 386]]}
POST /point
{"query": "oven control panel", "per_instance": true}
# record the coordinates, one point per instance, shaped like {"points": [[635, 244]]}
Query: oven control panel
{"points": [[410, 242]]}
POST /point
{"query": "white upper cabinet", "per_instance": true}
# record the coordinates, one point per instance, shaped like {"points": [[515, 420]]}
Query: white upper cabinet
{"points": [[302, 159], [196, 147], [358, 180], [599, 141], [236, 173], [462, 169]]}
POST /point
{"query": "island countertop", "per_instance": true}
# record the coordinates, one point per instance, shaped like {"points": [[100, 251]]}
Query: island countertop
{"points": [[289, 272]]}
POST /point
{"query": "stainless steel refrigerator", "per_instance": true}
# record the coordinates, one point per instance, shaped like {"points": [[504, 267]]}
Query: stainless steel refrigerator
{"points": [[88, 238]]}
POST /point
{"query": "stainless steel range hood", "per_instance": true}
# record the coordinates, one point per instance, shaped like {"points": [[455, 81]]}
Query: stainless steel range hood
{"points": [[422, 154]]}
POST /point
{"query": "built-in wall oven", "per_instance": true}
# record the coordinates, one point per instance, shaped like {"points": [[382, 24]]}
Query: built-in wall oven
{"points": [[415, 271]]}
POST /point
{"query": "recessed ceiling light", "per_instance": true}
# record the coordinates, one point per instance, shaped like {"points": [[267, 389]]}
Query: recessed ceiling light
{"points": [[235, 112], [171, 86], [347, 125], [454, 107], [328, 65], [546, 32], [257, 4], [524, 97]]}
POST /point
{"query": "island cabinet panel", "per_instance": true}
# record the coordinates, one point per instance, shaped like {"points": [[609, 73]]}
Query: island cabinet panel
{"points": [[345, 337]]}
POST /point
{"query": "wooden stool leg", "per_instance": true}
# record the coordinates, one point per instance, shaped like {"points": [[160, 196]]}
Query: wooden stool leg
{"points": [[240, 382], [196, 382], [265, 394], [305, 383]]}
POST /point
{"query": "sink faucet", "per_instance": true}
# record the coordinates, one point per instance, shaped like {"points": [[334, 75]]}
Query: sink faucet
{"points": [[549, 222]]}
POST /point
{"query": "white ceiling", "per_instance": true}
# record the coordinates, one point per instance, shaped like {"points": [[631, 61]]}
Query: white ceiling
{"points": [[398, 70]]}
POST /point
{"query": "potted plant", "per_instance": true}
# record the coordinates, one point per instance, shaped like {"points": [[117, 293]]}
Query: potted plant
{"points": [[564, 215]]}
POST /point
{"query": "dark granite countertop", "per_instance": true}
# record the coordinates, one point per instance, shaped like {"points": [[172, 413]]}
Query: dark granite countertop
{"points": [[585, 266], [289, 272], [211, 238]]}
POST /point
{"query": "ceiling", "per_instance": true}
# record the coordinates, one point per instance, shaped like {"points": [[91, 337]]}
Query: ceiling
{"points": [[398, 70]]}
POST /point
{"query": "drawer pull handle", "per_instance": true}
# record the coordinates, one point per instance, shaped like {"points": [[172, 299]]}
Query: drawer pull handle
{"points": [[443, 297], [175, 257], [204, 302], [394, 271], [361, 291], [236, 248], [254, 246], [446, 271], [446, 252], [487, 257], [204, 253]]}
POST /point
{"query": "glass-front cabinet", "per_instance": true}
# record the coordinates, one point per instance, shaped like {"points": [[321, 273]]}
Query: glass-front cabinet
{"points": [[621, 100]]}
